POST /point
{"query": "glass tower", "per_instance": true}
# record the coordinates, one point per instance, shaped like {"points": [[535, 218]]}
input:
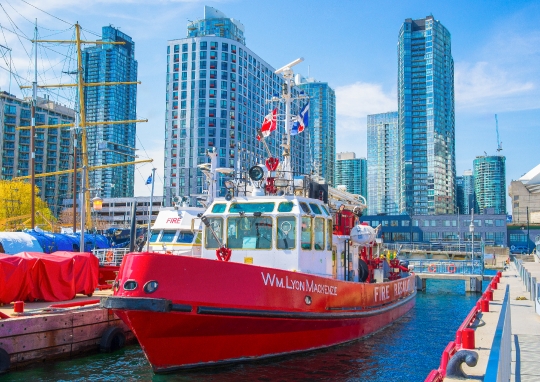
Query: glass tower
{"points": [[426, 118], [490, 183], [321, 128], [352, 173], [465, 192], [108, 144], [383, 163], [216, 92]]}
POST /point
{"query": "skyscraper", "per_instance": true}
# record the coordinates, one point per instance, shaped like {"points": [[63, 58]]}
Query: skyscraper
{"points": [[383, 163], [108, 144], [352, 173], [216, 95], [52, 146], [490, 183], [426, 117], [322, 127], [465, 192]]}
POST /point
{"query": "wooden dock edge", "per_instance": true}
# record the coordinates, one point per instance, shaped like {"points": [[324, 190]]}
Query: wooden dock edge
{"points": [[34, 339]]}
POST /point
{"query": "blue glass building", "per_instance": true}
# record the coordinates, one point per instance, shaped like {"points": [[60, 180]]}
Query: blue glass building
{"points": [[490, 183], [465, 197], [321, 129], [383, 164], [216, 93], [426, 117], [108, 144], [352, 173]]}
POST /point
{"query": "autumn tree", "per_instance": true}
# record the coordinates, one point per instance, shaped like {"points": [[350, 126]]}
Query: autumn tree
{"points": [[16, 207]]}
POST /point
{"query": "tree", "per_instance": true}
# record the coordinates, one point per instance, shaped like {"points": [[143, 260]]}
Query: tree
{"points": [[16, 208]]}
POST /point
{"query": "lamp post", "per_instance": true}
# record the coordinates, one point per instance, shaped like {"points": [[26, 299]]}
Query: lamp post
{"points": [[471, 230]]}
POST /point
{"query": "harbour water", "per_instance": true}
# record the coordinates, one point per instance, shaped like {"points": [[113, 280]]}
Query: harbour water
{"points": [[406, 351]]}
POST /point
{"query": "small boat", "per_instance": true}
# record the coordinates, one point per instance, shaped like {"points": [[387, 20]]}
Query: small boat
{"points": [[283, 268]]}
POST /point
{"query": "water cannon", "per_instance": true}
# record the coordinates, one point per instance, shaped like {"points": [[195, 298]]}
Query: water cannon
{"points": [[257, 175]]}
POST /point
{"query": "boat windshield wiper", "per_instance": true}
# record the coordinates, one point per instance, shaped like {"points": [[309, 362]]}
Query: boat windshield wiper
{"points": [[206, 222]]}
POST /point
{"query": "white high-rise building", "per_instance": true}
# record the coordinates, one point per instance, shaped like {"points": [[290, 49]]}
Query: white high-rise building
{"points": [[217, 90]]}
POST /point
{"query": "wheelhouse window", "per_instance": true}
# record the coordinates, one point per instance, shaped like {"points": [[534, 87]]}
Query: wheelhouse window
{"points": [[305, 208], [286, 232], [217, 226], [185, 238], [249, 232], [167, 236], [329, 232], [285, 207], [315, 208], [154, 236], [219, 208], [305, 237], [319, 234], [237, 208]]}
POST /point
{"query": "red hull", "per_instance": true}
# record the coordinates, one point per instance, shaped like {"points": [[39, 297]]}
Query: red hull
{"points": [[218, 312]]}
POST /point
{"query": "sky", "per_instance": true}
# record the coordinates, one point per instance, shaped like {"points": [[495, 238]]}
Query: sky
{"points": [[351, 45]]}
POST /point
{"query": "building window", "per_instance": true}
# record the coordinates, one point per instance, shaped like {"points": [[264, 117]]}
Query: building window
{"points": [[394, 223]]}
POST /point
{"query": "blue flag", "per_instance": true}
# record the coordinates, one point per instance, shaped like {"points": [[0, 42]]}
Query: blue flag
{"points": [[149, 180], [301, 120]]}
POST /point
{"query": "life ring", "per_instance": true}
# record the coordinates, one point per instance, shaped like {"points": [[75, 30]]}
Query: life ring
{"points": [[432, 268], [109, 257], [5, 361], [451, 268], [113, 338]]}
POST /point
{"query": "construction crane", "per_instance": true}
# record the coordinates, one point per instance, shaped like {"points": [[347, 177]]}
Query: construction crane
{"points": [[499, 143]]}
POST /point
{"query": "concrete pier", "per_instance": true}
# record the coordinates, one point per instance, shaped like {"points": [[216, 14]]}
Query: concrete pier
{"points": [[71, 332], [521, 363]]}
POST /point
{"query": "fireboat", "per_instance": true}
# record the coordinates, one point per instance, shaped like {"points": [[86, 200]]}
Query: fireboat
{"points": [[284, 267]]}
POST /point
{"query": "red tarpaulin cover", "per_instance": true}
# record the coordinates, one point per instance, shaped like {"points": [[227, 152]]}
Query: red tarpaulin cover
{"points": [[52, 277], [85, 270], [15, 283]]}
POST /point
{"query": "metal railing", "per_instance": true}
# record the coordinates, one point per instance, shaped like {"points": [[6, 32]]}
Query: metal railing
{"points": [[435, 247], [460, 267], [110, 256], [500, 356]]}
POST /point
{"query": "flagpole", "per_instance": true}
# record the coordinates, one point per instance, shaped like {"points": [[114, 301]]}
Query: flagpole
{"points": [[150, 211]]}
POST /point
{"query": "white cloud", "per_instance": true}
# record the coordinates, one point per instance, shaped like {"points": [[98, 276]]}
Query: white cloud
{"points": [[484, 84], [354, 102], [361, 98]]}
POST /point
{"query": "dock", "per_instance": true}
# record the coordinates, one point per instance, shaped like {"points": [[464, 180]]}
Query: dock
{"points": [[499, 340], [67, 330]]}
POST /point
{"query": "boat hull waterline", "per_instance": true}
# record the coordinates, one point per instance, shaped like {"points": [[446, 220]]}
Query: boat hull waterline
{"points": [[206, 312]]}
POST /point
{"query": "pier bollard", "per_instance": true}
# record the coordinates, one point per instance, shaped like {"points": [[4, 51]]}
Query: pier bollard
{"points": [[494, 284], [467, 338], [484, 305], [18, 306], [489, 295], [499, 274]]}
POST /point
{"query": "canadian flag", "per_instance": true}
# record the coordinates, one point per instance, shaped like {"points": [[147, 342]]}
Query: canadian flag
{"points": [[269, 124]]}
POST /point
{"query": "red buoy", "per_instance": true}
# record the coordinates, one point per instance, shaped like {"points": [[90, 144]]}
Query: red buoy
{"points": [[467, 338], [484, 305], [18, 306]]}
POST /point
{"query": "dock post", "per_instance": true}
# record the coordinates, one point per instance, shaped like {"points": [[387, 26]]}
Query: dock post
{"points": [[420, 283], [474, 284], [533, 288]]}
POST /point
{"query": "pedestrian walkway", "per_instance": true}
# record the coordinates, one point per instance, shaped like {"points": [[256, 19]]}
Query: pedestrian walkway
{"points": [[525, 325]]}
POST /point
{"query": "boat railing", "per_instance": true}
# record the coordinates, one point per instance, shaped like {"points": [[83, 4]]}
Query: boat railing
{"points": [[458, 267], [110, 256]]}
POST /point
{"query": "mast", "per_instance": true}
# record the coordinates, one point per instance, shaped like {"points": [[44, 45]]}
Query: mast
{"points": [[32, 138]]}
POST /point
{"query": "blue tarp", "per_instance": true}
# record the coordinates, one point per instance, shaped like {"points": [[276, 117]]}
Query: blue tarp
{"points": [[15, 242], [52, 242]]}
